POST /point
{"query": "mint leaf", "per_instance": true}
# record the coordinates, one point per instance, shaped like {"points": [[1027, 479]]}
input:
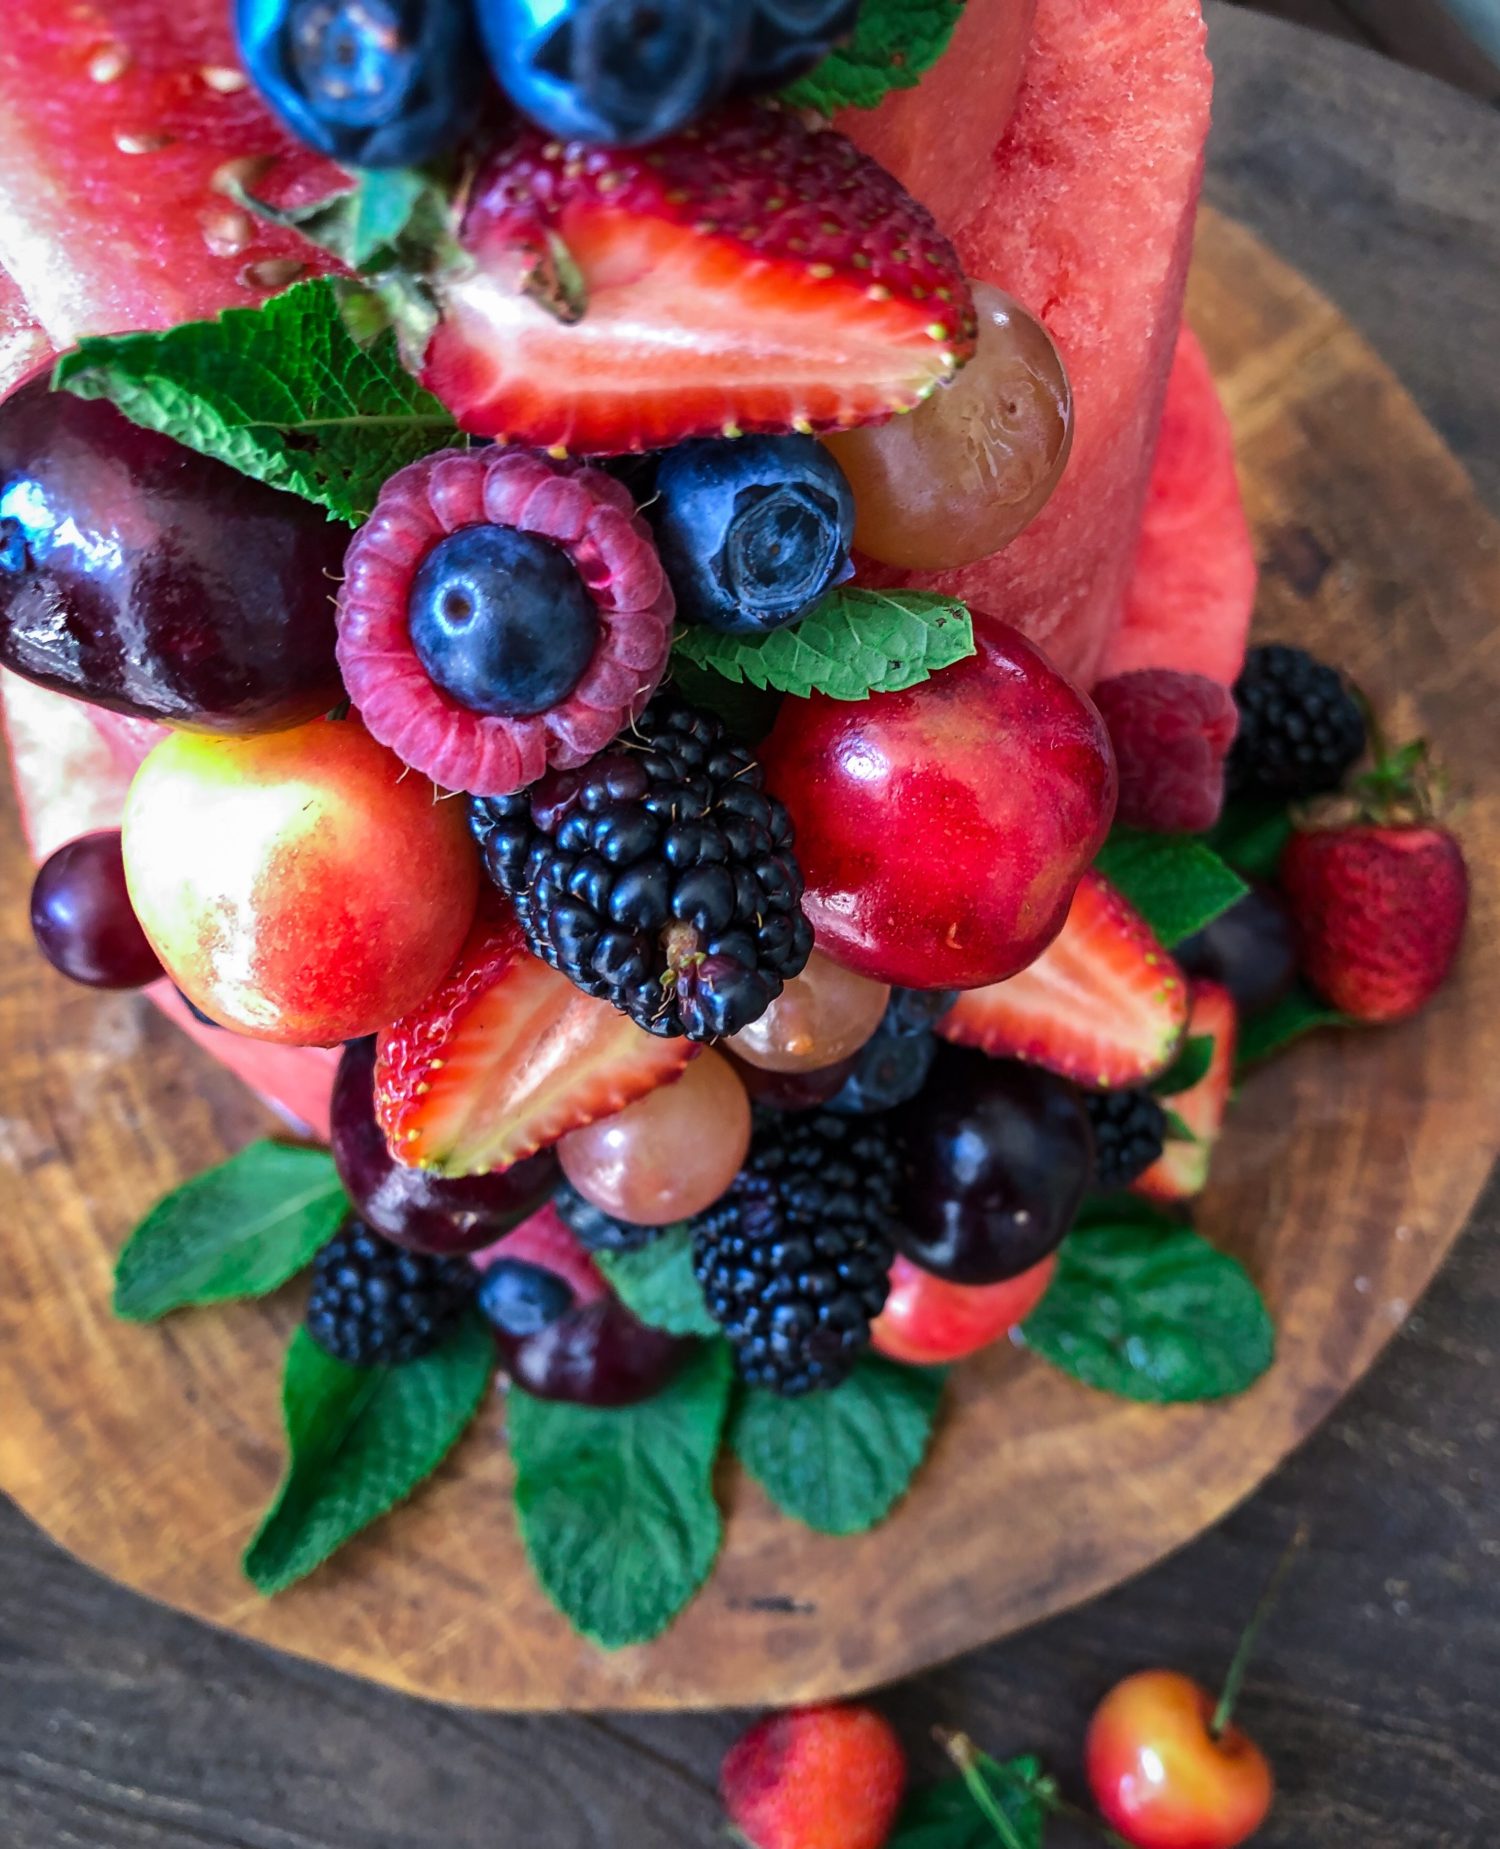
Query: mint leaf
{"points": [[840, 1461], [657, 1283], [360, 1441], [1176, 882], [616, 1507], [238, 1230], [1147, 1309], [749, 712], [945, 1816], [1296, 1014], [281, 392], [893, 44], [1179, 1130], [1251, 837], [852, 643], [1189, 1068]]}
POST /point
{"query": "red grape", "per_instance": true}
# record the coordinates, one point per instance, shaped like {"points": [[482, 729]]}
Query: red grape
{"points": [[599, 1355], [82, 917]]}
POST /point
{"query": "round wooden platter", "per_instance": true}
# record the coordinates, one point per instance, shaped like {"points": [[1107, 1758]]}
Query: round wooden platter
{"points": [[1348, 1171]]}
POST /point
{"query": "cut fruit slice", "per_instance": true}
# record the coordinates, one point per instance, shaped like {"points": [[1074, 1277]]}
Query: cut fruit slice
{"points": [[505, 1056], [1193, 592], [1182, 1168], [1104, 1004]]}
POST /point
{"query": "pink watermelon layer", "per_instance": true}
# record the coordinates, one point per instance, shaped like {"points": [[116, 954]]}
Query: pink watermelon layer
{"points": [[1193, 592], [1087, 217]]}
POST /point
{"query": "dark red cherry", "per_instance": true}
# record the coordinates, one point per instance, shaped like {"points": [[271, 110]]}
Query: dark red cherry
{"points": [[144, 577], [408, 1205], [82, 919], [1251, 949], [598, 1355]]}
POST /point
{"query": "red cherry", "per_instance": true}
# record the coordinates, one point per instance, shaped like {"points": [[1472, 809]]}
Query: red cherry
{"points": [[1160, 1775], [927, 1321], [942, 830]]}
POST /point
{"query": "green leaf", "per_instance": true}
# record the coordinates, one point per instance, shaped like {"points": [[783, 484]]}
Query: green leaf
{"points": [[657, 1283], [1189, 1068], [1151, 1311], [616, 1507], [853, 643], [1251, 837], [238, 1230], [749, 712], [893, 44], [1296, 1014], [281, 392], [1179, 1129], [840, 1461], [1176, 882], [360, 1441], [945, 1816]]}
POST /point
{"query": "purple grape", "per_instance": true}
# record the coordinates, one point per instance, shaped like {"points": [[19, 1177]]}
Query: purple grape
{"points": [[82, 919], [793, 1091], [408, 1205], [144, 577], [1251, 949], [599, 1355]]}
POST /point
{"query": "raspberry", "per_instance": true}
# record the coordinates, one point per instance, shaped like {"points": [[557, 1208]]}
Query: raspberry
{"points": [[373, 1304], [1130, 1131], [1171, 733], [1301, 728], [582, 511]]}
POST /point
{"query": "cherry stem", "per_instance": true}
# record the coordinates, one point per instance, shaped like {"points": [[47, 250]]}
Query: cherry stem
{"points": [[961, 1750], [1230, 1693]]}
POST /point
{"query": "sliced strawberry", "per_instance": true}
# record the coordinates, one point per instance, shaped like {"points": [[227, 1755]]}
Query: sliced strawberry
{"points": [[752, 274], [1104, 1004], [1182, 1168], [505, 1056]]}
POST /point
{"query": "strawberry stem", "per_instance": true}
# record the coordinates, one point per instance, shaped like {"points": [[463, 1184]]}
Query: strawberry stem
{"points": [[1230, 1693]]}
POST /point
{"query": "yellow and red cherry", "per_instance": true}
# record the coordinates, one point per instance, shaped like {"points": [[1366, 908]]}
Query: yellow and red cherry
{"points": [[818, 1020], [927, 1321], [670, 1154], [974, 465], [299, 886]]}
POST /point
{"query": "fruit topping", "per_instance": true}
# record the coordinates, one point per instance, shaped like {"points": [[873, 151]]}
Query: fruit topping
{"points": [[794, 1261], [889, 1069], [594, 1229], [615, 71], [372, 83], [752, 275], [1301, 729], [670, 1154], [1182, 1169], [819, 1019], [472, 595], [660, 877], [1251, 950], [974, 465], [82, 919], [374, 1304], [298, 886], [928, 1322], [996, 1159], [815, 1778], [522, 1299], [752, 532], [143, 577], [1130, 1132], [503, 1057], [1104, 1004], [942, 830], [411, 1206], [1171, 733], [595, 1355]]}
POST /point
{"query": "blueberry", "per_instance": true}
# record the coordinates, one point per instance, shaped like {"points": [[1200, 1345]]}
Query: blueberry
{"points": [[616, 71], [502, 621], [789, 37], [521, 1299], [917, 1011], [372, 83], [890, 1070], [752, 531]]}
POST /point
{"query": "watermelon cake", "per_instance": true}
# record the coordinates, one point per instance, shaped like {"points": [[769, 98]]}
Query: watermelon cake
{"points": [[628, 612]]}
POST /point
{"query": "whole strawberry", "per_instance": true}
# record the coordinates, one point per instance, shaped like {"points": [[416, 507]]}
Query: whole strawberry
{"points": [[815, 1778], [1379, 900]]}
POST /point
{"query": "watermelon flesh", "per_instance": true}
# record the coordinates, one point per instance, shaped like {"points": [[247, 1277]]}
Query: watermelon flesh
{"points": [[1193, 591], [1086, 216]]}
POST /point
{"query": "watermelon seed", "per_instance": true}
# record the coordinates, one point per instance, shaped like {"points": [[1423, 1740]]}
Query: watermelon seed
{"points": [[109, 63], [224, 79], [141, 144], [226, 229]]}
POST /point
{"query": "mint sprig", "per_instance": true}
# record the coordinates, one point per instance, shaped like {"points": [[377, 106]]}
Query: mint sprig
{"points": [[283, 393], [895, 42], [946, 1815], [359, 1441], [852, 643], [1296, 1014], [840, 1461], [1176, 882], [657, 1284], [1189, 1068], [616, 1508], [241, 1229]]}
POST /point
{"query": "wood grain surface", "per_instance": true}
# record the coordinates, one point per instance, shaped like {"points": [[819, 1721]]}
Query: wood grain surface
{"points": [[126, 1726]]}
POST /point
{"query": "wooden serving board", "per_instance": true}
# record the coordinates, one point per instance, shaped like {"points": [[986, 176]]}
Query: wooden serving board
{"points": [[1348, 1171]]}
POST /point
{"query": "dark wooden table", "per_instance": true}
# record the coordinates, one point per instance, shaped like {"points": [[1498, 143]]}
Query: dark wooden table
{"points": [[1378, 1690]]}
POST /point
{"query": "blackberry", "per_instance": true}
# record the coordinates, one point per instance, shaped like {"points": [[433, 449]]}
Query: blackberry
{"points": [[1130, 1131], [1300, 727], [794, 1262], [917, 1011], [594, 1229], [374, 1304], [660, 876]]}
